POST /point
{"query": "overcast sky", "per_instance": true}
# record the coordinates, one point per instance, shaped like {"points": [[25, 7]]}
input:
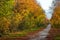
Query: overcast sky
{"points": [[45, 4]]}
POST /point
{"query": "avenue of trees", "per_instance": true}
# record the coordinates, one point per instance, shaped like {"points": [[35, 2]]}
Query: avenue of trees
{"points": [[19, 15]]}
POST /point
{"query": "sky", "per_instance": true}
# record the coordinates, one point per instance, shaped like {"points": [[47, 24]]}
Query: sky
{"points": [[45, 4]]}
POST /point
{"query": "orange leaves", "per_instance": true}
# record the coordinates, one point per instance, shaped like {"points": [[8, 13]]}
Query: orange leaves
{"points": [[56, 16], [26, 7], [4, 24], [26, 14], [27, 4]]}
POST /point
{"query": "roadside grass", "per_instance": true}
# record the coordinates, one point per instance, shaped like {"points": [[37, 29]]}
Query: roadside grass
{"points": [[24, 32], [56, 26], [57, 37], [56, 33]]}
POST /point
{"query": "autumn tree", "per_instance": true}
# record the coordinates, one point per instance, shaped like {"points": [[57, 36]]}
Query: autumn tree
{"points": [[55, 21], [18, 15], [5, 15], [28, 14]]}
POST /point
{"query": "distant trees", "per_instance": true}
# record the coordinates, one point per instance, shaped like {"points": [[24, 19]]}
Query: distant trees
{"points": [[55, 21]]}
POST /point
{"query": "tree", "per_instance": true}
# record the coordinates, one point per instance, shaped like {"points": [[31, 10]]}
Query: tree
{"points": [[5, 15], [30, 14], [55, 21]]}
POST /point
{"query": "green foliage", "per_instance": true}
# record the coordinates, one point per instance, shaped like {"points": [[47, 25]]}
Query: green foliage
{"points": [[5, 8], [5, 15], [20, 16], [29, 21]]}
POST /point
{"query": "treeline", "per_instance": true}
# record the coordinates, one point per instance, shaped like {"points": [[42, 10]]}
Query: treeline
{"points": [[19, 15], [55, 21]]}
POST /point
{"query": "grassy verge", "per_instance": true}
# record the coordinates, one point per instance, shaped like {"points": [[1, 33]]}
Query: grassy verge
{"points": [[24, 32], [57, 37]]}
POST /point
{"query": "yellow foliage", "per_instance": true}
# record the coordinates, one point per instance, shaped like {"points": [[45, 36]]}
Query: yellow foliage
{"points": [[56, 16]]}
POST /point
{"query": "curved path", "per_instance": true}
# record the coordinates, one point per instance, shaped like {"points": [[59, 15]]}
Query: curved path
{"points": [[42, 34]]}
